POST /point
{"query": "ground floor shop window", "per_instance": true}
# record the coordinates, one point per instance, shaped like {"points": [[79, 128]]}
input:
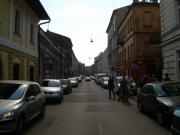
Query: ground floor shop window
{"points": [[16, 71]]}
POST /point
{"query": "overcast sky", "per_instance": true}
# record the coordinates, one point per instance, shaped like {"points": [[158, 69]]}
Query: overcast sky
{"points": [[82, 20]]}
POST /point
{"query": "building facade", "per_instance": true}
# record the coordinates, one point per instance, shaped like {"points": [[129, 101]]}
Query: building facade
{"points": [[64, 46], [116, 18], [137, 35], [170, 35], [105, 61], [49, 58], [18, 39]]}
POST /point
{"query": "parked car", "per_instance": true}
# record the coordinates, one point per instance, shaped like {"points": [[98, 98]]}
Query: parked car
{"points": [[66, 85], [175, 126], [104, 82], [87, 78], [20, 102], [159, 98], [74, 82], [52, 89]]}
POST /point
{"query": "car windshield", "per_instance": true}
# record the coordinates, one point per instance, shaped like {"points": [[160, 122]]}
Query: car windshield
{"points": [[11, 91], [64, 82], [106, 78], [73, 79], [168, 90], [48, 83]]}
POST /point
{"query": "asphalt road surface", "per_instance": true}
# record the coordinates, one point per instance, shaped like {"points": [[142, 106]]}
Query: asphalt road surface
{"points": [[88, 111]]}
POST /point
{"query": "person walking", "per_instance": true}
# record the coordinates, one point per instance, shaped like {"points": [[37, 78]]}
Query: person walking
{"points": [[124, 89], [111, 86]]}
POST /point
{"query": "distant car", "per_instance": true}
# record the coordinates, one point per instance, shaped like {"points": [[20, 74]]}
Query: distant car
{"points": [[160, 98], [104, 82], [74, 82], [20, 101], [52, 89], [87, 79], [79, 79], [66, 85], [175, 126]]}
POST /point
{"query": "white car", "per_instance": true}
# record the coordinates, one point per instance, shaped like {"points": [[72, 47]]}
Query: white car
{"points": [[52, 89]]}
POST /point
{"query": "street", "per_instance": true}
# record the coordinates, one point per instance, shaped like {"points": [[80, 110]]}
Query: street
{"points": [[88, 111]]}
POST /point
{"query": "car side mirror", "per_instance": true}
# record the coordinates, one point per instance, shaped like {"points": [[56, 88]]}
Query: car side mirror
{"points": [[31, 98]]}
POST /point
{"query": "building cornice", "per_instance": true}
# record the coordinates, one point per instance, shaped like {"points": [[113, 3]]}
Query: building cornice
{"points": [[6, 43]]}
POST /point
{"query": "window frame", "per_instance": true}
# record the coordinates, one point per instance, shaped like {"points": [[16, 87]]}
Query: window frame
{"points": [[32, 33], [18, 22]]}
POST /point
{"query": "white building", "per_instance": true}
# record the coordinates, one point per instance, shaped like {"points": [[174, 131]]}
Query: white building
{"points": [[170, 34]]}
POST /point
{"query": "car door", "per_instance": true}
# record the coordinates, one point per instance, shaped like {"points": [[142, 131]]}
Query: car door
{"points": [[39, 98], [151, 98], [31, 104], [143, 96]]}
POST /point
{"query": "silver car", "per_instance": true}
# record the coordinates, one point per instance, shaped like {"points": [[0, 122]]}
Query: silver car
{"points": [[74, 82], [20, 101], [52, 89]]}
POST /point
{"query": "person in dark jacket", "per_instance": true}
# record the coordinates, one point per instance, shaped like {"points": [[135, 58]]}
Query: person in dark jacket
{"points": [[111, 86], [124, 89]]}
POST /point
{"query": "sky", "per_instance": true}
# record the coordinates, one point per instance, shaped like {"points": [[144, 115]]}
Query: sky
{"points": [[81, 21]]}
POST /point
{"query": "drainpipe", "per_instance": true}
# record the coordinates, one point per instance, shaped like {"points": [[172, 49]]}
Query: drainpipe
{"points": [[39, 49]]}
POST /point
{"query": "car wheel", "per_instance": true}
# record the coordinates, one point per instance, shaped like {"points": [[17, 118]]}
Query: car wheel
{"points": [[20, 126], [160, 118], [43, 111], [140, 108]]}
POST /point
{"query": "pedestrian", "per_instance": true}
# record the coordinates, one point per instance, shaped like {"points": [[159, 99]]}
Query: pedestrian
{"points": [[111, 86], [124, 89], [166, 77], [143, 80]]}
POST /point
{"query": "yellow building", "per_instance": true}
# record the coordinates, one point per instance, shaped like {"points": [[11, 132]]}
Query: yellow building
{"points": [[19, 38]]}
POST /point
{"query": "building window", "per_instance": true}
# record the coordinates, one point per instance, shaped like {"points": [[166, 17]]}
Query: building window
{"points": [[32, 33], [16, 71], [147, 18], [31, 77], [17, 29], [178, 7]]}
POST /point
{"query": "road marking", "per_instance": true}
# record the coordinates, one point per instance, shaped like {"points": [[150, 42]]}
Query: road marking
{"points": [[99, 124]]}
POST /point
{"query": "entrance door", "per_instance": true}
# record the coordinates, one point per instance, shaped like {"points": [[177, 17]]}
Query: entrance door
{"points": [[16, 72]]}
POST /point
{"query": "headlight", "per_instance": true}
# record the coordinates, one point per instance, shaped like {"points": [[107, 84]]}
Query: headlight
{"points": [[57, 92], [7, 115]]}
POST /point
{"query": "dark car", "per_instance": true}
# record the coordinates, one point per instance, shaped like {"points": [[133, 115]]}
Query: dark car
{"points": [[175, 126], [87, 78], [20, 101], [66, 85], [160, 98]]}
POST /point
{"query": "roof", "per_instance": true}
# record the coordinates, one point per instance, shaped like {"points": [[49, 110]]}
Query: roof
{"points": [[163, 82], [17, 82], [39, 10], [120, 13], [58, 39]]}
